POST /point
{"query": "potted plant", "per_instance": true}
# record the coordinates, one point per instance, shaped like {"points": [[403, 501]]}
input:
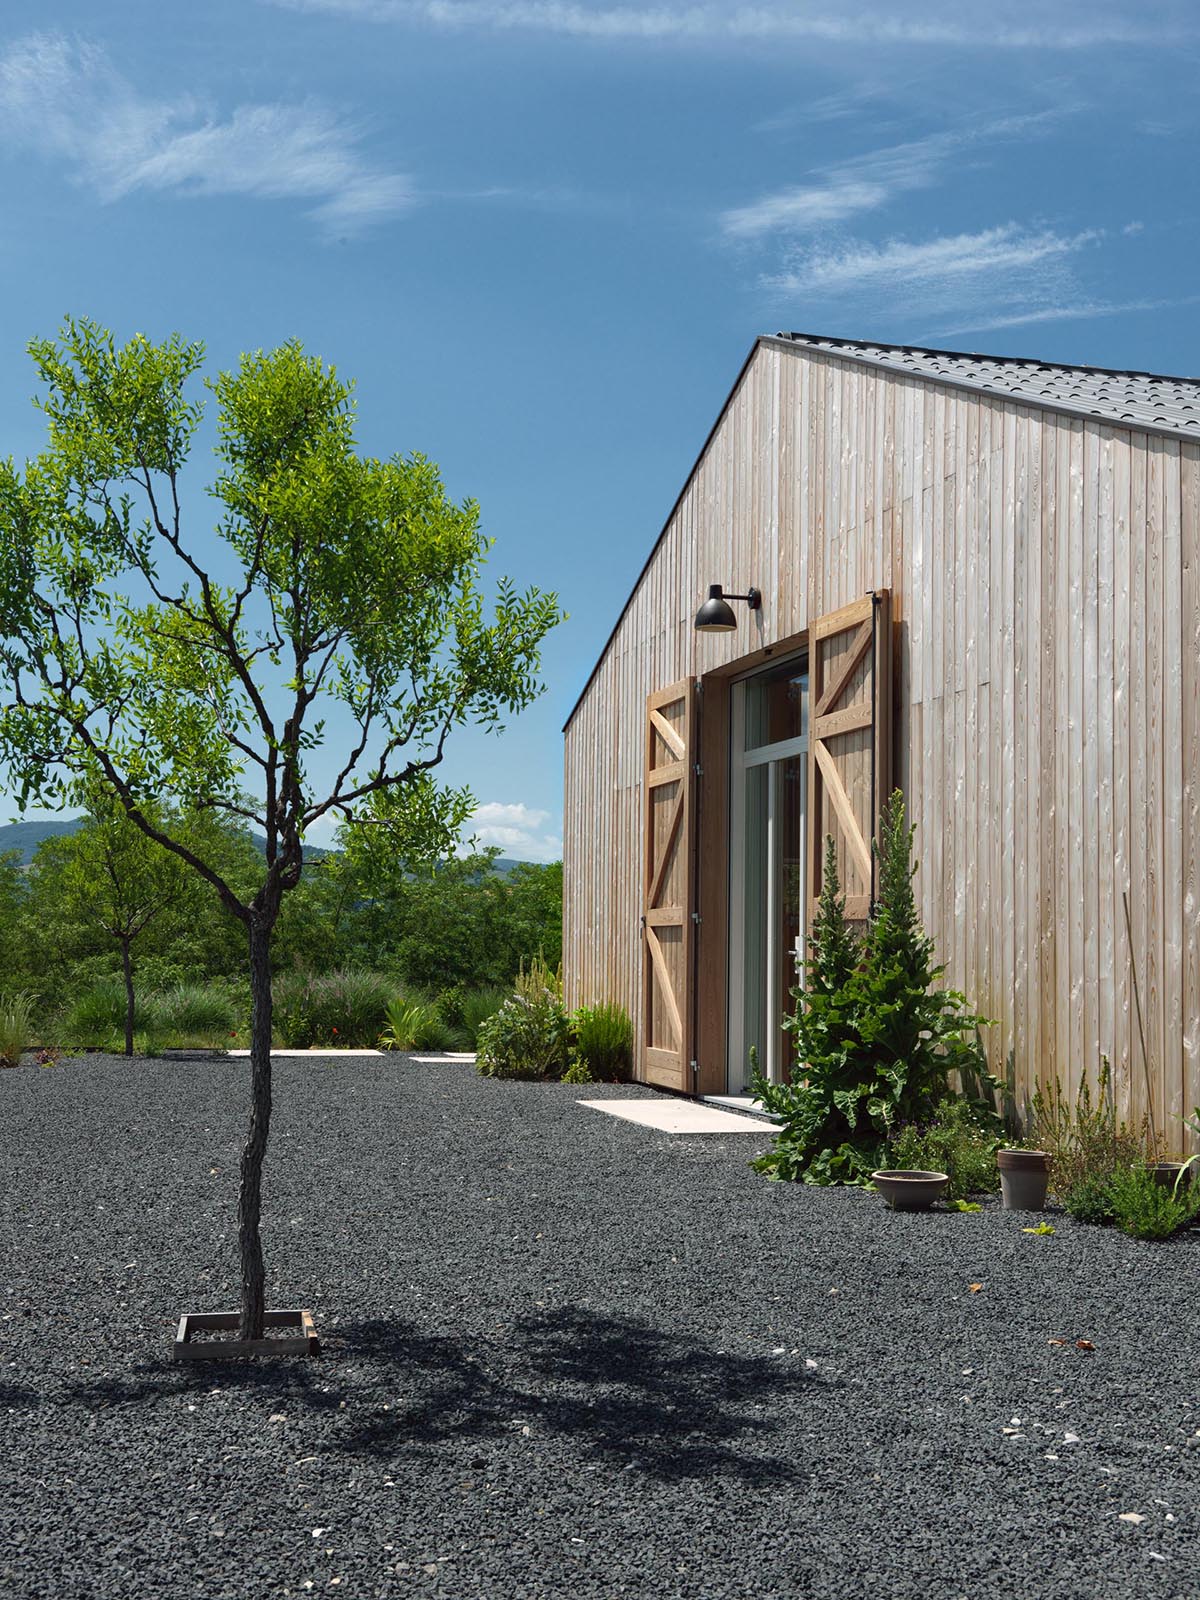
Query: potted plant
{"points": [[1024, 1178]]}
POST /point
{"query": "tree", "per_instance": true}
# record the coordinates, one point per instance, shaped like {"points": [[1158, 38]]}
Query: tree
{"points": [[333, 618], [112, 875]]}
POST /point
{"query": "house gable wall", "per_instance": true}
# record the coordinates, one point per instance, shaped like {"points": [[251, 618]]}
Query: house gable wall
{"points": [[1045, 575]]}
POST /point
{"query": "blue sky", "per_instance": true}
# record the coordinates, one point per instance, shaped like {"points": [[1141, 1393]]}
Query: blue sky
{"points": [[542, 235]]}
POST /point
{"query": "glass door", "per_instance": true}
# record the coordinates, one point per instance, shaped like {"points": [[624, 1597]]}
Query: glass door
{"points": [[769, 776]]}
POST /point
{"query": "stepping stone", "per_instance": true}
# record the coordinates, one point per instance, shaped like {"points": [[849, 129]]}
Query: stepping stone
{"points": [[679, 1116]]}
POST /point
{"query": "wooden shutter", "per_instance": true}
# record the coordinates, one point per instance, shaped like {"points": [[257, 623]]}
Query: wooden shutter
{"points": [[668, 887], [849, 760]]}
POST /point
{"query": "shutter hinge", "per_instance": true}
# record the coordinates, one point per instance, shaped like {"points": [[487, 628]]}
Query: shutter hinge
{"points": [[699, 685], [695, 1069], [696, 918], [697, 769]]}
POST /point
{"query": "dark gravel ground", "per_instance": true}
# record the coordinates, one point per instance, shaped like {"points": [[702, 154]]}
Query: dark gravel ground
{"points": [[565, 1355]]}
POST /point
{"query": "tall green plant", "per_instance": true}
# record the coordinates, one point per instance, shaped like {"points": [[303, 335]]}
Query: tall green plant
{"points": [[824, 1027], [877, 1038], [16, 1026]]}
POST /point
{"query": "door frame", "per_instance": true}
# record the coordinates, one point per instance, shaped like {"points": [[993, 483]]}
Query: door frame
{"points": [[740, 763], [711, 959]]}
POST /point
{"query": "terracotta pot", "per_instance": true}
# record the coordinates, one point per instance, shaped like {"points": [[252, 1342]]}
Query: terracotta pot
{"points": [[910, 1191], [1024, 1179]]}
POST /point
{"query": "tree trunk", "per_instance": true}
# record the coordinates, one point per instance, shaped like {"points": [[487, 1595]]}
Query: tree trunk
{"points": [[127, 970], [250, 1199]]}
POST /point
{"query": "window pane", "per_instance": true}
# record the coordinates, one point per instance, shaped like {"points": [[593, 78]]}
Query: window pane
{"points": [[776, 706], [754, 952]]}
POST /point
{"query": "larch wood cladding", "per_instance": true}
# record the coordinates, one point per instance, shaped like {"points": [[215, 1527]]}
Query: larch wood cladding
{"points": [[1045, 580]]}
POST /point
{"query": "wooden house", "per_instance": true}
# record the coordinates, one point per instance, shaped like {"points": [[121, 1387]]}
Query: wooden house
{"points": [[978, 578]]}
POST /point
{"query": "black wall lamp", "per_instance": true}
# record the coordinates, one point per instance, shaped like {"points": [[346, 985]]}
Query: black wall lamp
{"points": [[716, 616]]}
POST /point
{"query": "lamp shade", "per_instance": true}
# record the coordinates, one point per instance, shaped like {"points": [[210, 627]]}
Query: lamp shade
{"points": [[715, 615]]}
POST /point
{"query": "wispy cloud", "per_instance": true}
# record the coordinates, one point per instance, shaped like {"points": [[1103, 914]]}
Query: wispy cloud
{"points": [[1067, 26], [870, 181], [1085, 311], [516, 829], [66, 101], [964, 258], [995, 277]]}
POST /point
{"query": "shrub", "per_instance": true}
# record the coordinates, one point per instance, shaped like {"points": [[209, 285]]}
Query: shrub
{"points": [[953, 1143], [413, 1025], [877, 1040], [347, 1009], [197, 1013], [578, 1072], [16, 1026], [1147, 1209], [477, 1006], [97, 1018], [1090, 1200], [1085, 1141], [604, 1042], [530, 1035]]}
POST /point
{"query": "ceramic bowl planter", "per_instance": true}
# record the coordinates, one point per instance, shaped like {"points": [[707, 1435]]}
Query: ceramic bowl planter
{"points": [[1166, 1172], [911, 1191], [1024, 1179]]}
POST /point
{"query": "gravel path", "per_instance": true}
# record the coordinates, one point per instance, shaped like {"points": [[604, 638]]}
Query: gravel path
{"points": [[566, 1356]]}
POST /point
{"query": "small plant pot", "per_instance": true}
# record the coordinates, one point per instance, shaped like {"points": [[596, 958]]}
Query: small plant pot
{"points": [[1166, 1172], [911, 1191], [1024, 1179]]}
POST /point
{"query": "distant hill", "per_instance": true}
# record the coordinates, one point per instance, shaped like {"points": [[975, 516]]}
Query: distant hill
{"points": [[26, 836]]}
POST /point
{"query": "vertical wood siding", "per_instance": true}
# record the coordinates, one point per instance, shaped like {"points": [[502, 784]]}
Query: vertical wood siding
{"points": [[1045, 579]]}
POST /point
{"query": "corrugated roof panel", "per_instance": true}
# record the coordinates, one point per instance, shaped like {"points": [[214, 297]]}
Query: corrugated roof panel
{"points": [[1138, 399]]}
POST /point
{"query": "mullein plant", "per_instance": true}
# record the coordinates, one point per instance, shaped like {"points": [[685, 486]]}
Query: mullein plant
{"points": [[877, 1038]]}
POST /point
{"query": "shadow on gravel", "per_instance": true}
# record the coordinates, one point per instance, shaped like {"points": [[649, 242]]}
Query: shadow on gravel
{"points": [[630, 1394]]}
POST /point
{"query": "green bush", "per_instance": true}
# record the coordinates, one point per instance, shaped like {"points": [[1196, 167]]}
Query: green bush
{"points": [[477, 1006], [96, 1017], [415, 1025], [1085, 1141], [1147, 1209], [604, 1041], [1090, 1199], [877, 1039], [530, 1035], [343, 1009], [197, 1014], [953, 1143], [16, 1027]]}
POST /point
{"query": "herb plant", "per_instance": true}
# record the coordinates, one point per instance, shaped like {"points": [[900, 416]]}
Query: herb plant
{"points": [[1146, 1209], [604, 1041], [954, 1143]]}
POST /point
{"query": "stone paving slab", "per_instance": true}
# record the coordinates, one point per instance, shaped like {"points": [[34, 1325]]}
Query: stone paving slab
{"points": [[677, 1116]]}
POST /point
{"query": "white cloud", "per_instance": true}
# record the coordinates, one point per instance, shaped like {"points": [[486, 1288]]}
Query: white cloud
{"points": [[517, 830], [869, 181], [953, 23], [66, 101], [1084, 311], [940, 263]]}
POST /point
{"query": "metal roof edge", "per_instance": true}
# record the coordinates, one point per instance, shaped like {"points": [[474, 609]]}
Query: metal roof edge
{"points": [[795, 342]]}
